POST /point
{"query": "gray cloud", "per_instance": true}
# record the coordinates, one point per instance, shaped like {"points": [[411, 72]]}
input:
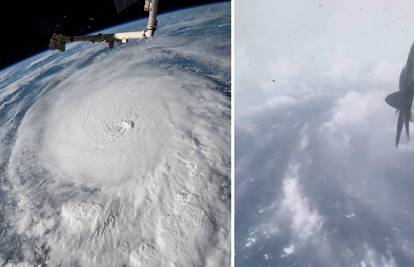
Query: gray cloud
{"points": [[318, 180]]}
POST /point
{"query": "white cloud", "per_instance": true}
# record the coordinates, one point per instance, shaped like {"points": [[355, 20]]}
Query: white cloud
{"points": [[20, 264], [344, 69], [356, 109], [272, 102], [288, 250], [305, 220], [385, 72], [250, 242], [373, 258], [304, 138], [248, 127]]}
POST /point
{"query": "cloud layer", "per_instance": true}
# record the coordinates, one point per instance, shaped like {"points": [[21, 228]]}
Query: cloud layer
{"points": [[319, 180], [120, 157]]}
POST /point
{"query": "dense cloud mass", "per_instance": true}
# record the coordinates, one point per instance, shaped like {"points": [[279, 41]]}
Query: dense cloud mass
{"points": [[120, 157], [319, 180]]}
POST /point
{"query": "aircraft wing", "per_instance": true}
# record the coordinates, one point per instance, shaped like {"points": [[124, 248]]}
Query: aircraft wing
{"points": [[123, 4]]}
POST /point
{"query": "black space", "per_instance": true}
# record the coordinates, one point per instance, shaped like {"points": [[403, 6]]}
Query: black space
{"points": [[26, 26]]}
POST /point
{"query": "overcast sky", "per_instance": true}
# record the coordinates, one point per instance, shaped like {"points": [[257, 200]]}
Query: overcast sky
{"points": [[275, 39], [319, 181]]}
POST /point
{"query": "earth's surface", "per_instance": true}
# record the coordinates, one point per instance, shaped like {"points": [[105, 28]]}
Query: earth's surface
{"points": [[120, 157]]}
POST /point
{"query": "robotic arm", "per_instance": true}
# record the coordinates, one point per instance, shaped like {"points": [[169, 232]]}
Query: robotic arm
{"points": [[59, 41]]}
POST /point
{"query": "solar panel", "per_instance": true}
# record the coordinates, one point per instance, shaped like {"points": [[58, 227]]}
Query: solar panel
{"points": [[123, 4]]}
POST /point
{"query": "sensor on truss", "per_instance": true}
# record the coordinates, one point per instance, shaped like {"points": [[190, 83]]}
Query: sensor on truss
{"points": [[59, 41]]}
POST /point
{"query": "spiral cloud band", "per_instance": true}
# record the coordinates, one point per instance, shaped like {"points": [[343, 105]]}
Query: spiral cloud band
{"points": [[120, 157]]}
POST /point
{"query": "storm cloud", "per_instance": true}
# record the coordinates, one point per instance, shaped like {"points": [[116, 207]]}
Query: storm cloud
{"points": [[318, 179]]}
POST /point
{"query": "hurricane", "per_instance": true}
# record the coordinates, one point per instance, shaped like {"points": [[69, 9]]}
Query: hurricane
{"points": [[120, 157]]}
